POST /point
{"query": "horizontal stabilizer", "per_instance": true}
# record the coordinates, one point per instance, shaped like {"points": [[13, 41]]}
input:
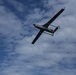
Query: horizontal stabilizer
{"points": [[56, 29]]}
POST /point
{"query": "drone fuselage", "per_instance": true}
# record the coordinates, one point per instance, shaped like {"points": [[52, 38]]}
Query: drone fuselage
{"points": [[43, 28]]}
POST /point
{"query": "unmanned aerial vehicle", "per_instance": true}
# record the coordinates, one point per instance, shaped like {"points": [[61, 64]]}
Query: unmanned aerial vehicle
{"points": [[46, 25]]}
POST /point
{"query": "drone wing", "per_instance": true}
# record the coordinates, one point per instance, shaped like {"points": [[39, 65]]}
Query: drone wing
{"points": [[37, 36], [53, 18]]}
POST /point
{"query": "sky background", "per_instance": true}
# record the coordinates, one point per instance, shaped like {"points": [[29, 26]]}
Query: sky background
{"points": [[49, 55]]}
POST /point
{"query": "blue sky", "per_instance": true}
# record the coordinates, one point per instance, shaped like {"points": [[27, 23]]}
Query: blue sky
{"points": [[49, 55]]}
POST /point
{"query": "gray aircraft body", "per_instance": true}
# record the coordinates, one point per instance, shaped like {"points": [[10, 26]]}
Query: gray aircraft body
{"points": [[46, 25]]}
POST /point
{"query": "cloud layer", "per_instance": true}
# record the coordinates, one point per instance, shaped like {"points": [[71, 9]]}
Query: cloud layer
{"points": [[50, 55]]}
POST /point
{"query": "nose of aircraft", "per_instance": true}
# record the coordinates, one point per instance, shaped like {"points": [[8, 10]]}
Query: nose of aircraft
{"points": [[34, 24]]}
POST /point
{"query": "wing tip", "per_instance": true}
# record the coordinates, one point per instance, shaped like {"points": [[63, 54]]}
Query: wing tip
{"points": [[63, 8], [32, 43]]}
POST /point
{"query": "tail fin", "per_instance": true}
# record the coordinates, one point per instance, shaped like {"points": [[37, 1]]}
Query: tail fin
{"points": [[56, 28]]}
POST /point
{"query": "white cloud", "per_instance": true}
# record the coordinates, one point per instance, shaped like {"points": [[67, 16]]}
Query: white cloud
{"points": [[48, 51], [10, 25], [18, 5]]}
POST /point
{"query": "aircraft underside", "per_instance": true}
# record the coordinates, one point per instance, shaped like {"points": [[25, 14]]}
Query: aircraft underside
{"points": [[46, 25]]}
